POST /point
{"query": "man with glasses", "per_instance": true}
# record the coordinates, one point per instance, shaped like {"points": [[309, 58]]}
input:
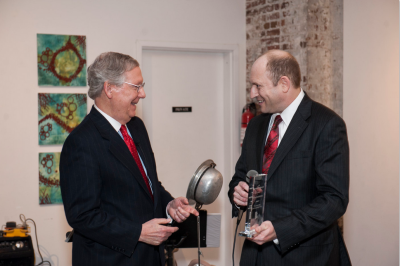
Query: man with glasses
{"points": [[110, 189]]}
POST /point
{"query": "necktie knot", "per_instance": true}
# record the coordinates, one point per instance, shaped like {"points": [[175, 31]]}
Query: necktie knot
{"points": [[126, 136], [123, 131], [278, 120]]}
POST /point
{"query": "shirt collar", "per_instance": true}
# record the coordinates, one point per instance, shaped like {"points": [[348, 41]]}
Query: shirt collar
{"points": [[114, 123], [289, 112]]}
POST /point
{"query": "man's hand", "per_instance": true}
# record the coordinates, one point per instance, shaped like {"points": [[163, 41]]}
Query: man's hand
{"points": [[179, 209], [154, 233], [241, 194], [264, 233]]}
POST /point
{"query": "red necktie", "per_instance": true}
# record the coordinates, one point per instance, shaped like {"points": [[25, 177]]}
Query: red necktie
{"points": [[272, 145], [132, 148]]}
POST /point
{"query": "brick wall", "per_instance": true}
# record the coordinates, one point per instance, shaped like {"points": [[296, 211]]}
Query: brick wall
{"points": [[311, 30]]}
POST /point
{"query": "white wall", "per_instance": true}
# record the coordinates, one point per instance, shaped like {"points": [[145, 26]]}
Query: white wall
{"points": [[108, 26], [371, 112]]}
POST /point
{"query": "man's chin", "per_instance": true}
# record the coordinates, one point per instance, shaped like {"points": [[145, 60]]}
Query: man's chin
{"points": [[132, 111], [264, 109]]}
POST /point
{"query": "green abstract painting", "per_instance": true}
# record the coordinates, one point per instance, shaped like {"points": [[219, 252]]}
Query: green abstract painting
{"points": [[61, 60], [49, 178], [59, 114]]}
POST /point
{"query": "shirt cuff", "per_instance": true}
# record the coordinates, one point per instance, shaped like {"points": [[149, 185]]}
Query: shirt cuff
{"points": [[168, 216]]}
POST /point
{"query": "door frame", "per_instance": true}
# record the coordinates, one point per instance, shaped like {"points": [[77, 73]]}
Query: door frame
{"points": [[232, 110]]}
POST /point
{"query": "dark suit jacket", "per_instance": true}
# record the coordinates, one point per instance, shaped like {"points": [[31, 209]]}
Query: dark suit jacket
{"points": [[105, 198], [307, 189]]}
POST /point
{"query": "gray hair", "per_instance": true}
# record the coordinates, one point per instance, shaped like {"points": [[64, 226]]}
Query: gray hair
{"points": [[111, 67]]}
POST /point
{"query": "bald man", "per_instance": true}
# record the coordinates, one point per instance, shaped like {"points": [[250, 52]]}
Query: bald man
{"points": [[302, 146]]}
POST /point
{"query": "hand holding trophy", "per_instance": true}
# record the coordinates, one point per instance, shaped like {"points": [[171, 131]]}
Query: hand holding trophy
{"points": [[255, 202]]}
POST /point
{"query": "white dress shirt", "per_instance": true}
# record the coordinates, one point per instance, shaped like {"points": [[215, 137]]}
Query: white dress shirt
{"points": [[286, 116]]}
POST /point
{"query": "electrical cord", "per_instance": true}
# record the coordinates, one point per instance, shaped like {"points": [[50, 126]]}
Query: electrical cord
{"points": [[234, 240], [23, 220]]}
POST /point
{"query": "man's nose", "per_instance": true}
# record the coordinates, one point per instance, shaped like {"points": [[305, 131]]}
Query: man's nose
{"points": [[253, 91], [142, 93]]}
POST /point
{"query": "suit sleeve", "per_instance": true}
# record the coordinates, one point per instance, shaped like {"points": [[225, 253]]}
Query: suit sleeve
{"points": [[331, 159], [240, 173], [81, 185], [165, 198]]}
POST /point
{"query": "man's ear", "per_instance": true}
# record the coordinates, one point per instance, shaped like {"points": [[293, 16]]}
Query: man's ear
{"points": [[107, 87], [285, 84]]}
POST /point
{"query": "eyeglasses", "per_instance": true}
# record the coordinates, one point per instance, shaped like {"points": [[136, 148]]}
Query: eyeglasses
{"points": [[136, 86]]}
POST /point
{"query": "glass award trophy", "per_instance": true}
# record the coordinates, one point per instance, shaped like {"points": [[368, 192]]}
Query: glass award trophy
{"points": [[255, 203]]}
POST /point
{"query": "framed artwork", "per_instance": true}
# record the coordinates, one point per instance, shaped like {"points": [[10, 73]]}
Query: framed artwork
{"points": [[59, 114], [49, 178], [61, 60]]}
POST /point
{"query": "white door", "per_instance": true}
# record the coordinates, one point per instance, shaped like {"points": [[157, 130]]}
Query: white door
{"points": [[181, 141]]}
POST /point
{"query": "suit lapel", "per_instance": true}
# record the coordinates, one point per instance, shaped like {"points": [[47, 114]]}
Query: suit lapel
{"points": [[118, 147], [293, 133]]}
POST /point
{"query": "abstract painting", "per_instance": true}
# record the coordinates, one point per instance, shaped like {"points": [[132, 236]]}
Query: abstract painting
{"points": [[49, 178], [59, 114], [61, 60]]}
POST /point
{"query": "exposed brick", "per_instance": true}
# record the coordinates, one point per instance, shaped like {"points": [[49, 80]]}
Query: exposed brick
{"points": [[267, 8], [264, 18], [274, 16], [306, 28], [267, 40], [273, 32], [286, 46], [285, 38], [285, 5], [273, 47], [256, 3]]}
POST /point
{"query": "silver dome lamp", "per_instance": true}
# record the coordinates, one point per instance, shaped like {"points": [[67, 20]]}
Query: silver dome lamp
{"points": [[203, 189]]}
